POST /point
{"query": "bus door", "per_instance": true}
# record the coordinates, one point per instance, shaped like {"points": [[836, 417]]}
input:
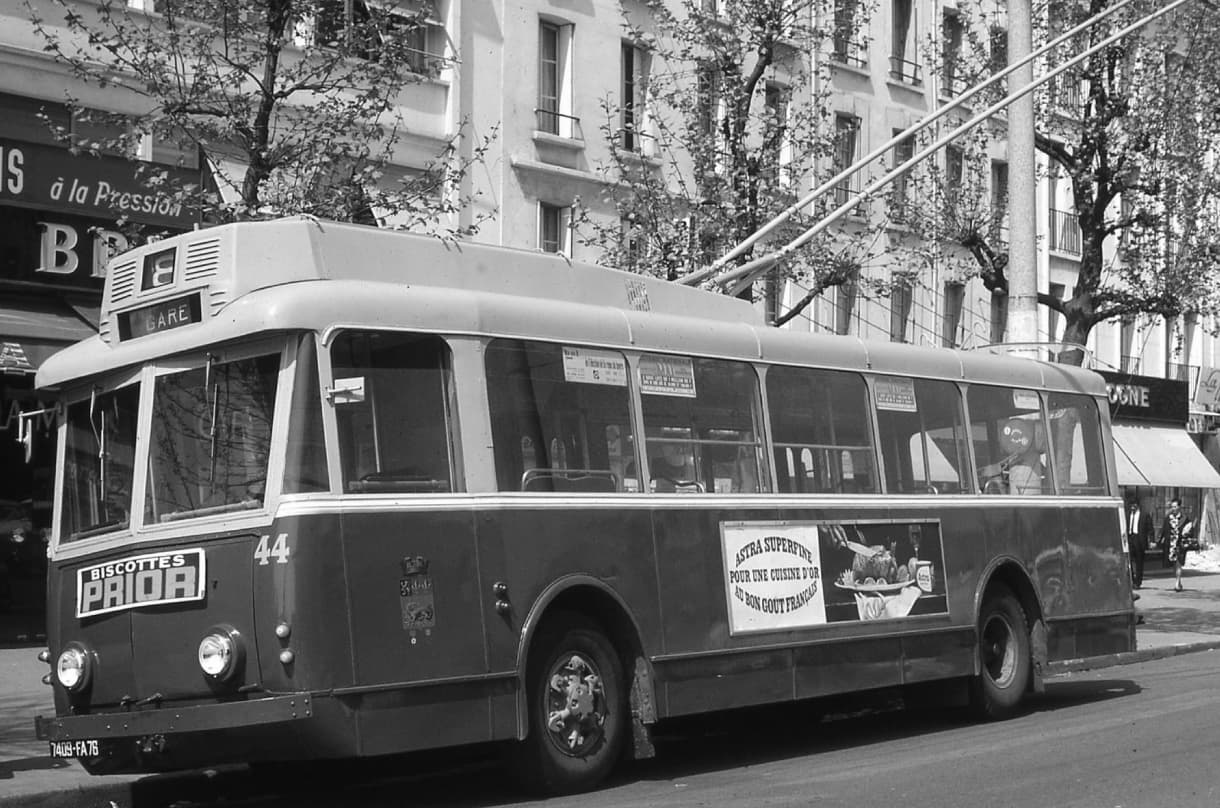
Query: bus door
{"points": [[408, 548]]}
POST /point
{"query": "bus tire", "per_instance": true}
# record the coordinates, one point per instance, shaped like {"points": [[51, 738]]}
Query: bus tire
{"points": [[577, 708], [1004, 656]]}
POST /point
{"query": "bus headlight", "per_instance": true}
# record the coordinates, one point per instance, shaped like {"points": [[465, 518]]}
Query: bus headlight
{"points": [[72, 669], [220, 653]]}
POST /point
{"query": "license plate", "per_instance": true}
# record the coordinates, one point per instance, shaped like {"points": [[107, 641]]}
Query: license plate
{"points": [[74, 749]]}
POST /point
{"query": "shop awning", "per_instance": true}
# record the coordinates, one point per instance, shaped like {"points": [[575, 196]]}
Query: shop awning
{"points": [[1160, 456], [31, 332]]}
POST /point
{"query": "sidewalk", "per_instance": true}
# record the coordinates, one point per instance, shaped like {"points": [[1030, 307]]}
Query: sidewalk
{"points": [[1174, 623]]}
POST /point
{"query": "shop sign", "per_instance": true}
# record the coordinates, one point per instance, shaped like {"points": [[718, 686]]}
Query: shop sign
{"points": [[1207, 391], [1146, 398], [52, 178]]}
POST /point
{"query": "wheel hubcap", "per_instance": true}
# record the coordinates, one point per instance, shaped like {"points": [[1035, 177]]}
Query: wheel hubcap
{"points": [[575, 705], [999, 651]]}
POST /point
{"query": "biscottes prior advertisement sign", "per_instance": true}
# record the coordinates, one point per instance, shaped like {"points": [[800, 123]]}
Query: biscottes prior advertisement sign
{"points": [[793, 575], [154, 579]]}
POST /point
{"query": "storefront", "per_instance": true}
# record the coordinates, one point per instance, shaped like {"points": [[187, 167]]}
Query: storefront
{"points": [[58, 215], [1156, 457]]}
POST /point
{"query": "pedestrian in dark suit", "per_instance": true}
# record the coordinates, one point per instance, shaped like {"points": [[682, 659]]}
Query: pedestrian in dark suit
{"points": [[1139, 534]]}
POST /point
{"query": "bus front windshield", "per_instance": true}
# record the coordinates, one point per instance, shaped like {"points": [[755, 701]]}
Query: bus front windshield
{"points": [[100, 462], [210, 440]]}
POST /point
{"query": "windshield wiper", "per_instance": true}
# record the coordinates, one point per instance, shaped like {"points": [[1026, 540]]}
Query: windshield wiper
{"points": [[244, 505]]}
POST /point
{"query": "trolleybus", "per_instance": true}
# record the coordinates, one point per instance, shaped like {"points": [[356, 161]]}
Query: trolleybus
{"points": [[328, 491]]}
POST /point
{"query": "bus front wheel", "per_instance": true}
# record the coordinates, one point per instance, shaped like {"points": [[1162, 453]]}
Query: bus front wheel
{"points": [[577, 708], [1004, 656]]}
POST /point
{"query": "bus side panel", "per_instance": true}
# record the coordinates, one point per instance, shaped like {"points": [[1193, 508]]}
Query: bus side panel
{"points": [[304, 587], [1100, 588], [531, 549], [1035, 534], [417, 616], [695, 611]]}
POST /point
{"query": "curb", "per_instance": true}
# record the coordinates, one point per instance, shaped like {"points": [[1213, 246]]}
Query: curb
{"points": [[1129, 657], [102, 795]]}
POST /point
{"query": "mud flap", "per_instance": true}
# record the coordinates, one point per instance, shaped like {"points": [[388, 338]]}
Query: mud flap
{"points": [[1038, 656], [643, 712]]}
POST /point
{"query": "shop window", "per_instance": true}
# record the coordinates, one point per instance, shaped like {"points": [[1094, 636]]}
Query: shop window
{"points": [[560, 418], [921, 432], [392, 394], [700, 417], [820, 430], [1009, 437]]}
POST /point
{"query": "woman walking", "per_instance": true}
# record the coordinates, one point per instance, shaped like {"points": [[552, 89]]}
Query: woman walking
{"points": [[1175, 531]]}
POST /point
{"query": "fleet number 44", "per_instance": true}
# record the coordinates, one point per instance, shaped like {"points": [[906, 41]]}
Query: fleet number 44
{"points": [[266, 550]]}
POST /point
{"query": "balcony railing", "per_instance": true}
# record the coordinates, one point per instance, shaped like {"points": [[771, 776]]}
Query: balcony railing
{"points": [[1066, 94], [906, 71], [1064, 232], [557, 123], [849, 52], [641, 143]]}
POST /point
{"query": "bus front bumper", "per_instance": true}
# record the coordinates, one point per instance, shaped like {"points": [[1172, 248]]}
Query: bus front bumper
{"points": [[169, 720]]}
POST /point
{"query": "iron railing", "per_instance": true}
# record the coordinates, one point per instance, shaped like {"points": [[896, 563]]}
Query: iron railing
{"points": [[1064, 232]]}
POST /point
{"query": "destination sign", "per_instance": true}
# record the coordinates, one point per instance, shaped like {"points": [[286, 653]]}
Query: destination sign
{"points": [[163, 316], [145, 580]]}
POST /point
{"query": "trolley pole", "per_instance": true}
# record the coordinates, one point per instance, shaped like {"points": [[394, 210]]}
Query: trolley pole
{"points": [[1022, 204]]}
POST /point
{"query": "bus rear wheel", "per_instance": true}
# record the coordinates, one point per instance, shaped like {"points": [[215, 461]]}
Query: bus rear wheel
{"points": [[577, 708], [1004, 656]]}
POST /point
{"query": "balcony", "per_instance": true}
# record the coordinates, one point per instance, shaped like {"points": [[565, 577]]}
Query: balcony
{"points": [[850, 52], [905, 71], [1063, 235], [552, 122]]}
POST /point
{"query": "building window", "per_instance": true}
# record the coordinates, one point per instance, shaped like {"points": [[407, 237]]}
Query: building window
{"points": [[999, 316], [999, 202], [554, 112], [951, 52], [633, 99], [903, 64], [845, 304], [777, 150], [1052, 321], [846, 47], [554, 227], [997, 54], [902, 297], [899, 194], [847, 128], [955, 166], [1129, 360], [955, 299], [365, 30]]}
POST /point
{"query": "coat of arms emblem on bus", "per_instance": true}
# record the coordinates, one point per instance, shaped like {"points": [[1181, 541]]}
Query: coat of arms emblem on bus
{"points": [[415, 595], [788, 575]]}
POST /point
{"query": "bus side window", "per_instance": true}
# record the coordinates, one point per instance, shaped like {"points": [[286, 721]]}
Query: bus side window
{"points": [[560, 418], [1010, 446], [701, 420], [1076, 445], [922, 435], [820, 428], [394, 423]]}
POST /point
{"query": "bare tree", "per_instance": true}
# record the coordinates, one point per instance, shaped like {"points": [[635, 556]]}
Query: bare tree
{"points": [[294, 104]]}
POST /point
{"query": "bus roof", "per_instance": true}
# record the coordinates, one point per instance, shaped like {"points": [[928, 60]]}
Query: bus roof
{"points": [[224, 283]]}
